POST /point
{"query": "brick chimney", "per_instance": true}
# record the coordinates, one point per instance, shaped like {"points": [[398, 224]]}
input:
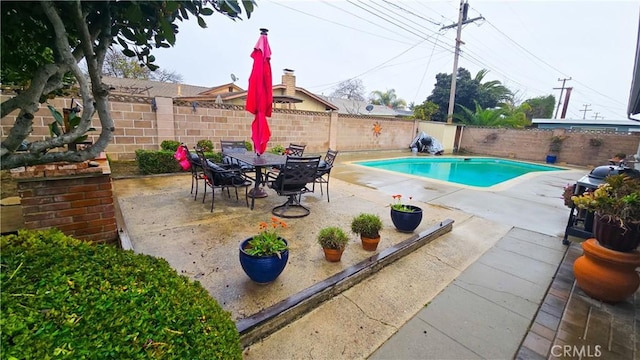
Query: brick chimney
{"points": [[289, 82]]}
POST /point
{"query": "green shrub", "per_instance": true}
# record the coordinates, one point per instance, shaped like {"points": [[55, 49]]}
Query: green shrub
{"points": [[205, 145], [170, 145], [215, 157], [157, 162], [248, 145], [61, 297], [278, 149]]}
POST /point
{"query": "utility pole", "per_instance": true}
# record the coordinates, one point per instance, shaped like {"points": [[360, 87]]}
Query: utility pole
{"points": [[584, 112], [560, 97], [596, 116], [462, 20]]}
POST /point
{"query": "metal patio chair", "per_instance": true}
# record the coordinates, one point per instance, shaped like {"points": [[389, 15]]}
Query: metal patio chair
{"points": [[218, 177], [292, 181], [324, 170]]}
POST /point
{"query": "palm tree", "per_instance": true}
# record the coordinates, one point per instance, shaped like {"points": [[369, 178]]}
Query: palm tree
{"points": [[504, 116], [494, 88], [387, 98]]}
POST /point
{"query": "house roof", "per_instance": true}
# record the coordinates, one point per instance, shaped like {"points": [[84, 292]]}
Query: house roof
{"points": [[192, 93], [277, 98], [587, 122], [151, 88], [357, 107]]}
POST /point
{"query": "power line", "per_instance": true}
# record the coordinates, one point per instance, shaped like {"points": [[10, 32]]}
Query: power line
{"points": [[373, 68], [412, 13], [346, 26]]}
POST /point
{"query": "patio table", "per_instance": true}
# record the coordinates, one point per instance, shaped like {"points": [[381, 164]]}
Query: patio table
{"points": [[266, 160]]}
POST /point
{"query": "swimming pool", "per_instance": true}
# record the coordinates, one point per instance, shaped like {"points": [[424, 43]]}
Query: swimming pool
{"points": [[480, 172]]}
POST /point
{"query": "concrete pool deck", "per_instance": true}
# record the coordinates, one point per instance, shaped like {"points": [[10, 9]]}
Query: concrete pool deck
{"points": [[483, 281]]}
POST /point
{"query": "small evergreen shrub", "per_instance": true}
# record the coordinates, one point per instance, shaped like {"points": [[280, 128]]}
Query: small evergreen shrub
{"points": [[248, 145], [170, 145], [61, 297], [278, 150], [157, 162], [205, 145]]}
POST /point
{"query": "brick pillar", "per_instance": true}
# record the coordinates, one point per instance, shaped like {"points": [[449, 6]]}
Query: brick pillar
{"points": [[164, 119], [333, 130], [72, 197]]}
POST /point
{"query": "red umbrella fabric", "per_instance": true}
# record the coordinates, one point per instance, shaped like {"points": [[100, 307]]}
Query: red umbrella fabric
{"points": [[260, 93]]}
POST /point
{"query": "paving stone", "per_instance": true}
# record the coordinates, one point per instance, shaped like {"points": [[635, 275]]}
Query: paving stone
{"points": [[543, 331], [419, 340], [547, 320], [527, 354], [537, 343], [519, 265], [504, 289], [476, 323], [532, 250]]}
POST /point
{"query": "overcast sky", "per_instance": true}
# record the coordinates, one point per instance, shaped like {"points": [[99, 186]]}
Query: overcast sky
{"points": [[389, 44]]}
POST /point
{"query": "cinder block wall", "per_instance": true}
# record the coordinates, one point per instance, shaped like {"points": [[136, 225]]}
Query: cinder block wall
{"points": [[355, 133], [143, 123], [74, 198], [533, 144]]}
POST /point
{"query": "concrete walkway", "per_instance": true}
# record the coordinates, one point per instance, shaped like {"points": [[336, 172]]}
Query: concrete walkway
{"points": [[486, 311]]}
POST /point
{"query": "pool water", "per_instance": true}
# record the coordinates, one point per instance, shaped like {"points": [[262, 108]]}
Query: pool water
{"points": [[480, 172]]}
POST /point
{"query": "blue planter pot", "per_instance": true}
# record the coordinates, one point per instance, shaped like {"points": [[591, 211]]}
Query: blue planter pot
{"points": [[551, 159], [262, 269], [406, 221]]}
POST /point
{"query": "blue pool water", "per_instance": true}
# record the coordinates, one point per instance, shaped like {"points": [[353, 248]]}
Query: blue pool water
{"points": [[481, 172]]}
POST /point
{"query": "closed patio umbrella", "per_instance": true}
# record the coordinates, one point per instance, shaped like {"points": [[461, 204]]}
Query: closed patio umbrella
{"points": [[260, 93]]}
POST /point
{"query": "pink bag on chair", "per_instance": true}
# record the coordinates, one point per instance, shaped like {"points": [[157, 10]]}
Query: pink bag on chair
{"points": [[181, 157]]}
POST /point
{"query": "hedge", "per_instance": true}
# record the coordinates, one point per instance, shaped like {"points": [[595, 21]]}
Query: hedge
{"points": [[162, 161], [61, 297]]}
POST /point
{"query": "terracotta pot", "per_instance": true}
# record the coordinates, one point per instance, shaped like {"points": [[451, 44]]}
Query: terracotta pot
{"points": [[612, 235], [606, 274], [333, 255], [370, 244]]}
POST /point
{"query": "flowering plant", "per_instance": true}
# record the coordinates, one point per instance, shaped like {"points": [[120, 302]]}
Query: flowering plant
{"points": [[618, 198], [567, 194], [268, 241], [399, 206]]}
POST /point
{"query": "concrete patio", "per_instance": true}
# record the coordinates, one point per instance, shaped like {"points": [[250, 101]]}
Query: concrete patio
{"points": [[486, 277]]}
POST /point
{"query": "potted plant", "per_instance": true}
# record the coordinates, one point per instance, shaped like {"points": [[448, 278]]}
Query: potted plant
{"points": [[616, 207], [333, 241], [554, 148], [606, 270], [368, 226], [405, 217], [264, 256], [618, 159]]}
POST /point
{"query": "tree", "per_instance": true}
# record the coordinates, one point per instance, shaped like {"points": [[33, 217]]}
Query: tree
{"points": [[541, 107], [425, 110], [505, 115], [43, 42], [120, 66], [351, 89], [468, 90], [387, 98]]}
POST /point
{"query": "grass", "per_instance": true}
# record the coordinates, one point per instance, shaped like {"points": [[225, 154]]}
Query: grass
{"points": [[119, 169]]}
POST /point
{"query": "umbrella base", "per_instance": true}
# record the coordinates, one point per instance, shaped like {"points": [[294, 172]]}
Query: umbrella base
{"points": [[257, 193]]}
